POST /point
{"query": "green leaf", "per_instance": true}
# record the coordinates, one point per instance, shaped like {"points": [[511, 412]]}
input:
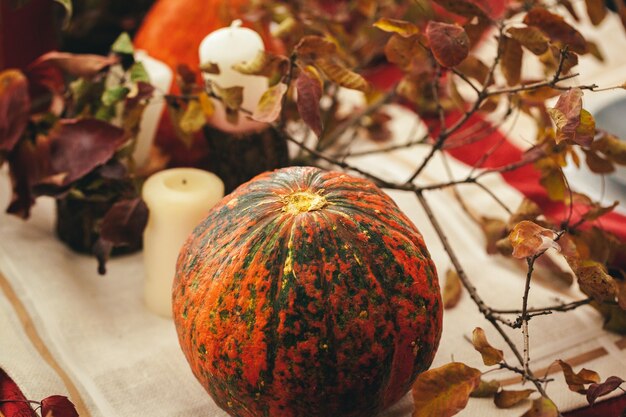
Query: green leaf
{"points": [[270, 104], [123, 45], [444, 391], [67, 5], [138, 73], [114, 95], [401, 27]]}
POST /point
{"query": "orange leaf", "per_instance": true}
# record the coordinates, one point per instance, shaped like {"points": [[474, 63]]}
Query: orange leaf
{"points": [[491, 355], [531, 38], [576, 382], [452, 289], [403, 51], [449, 43], [444, 391], [594, 281], [557, 29], [315, 46], [341, 75], [596, 11], [529, 239], [542, 407], [486, 389], [14, 107], [508, 399], [511, 61]]}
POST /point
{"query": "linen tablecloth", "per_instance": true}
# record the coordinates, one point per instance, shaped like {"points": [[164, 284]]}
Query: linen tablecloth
{"points": [[66, 330]]}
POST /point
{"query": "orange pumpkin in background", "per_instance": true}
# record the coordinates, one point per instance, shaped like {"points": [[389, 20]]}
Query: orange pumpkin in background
{"points": [[171, 32]]}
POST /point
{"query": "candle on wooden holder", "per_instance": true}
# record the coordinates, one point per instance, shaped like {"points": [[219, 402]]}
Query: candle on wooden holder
{"points": [[161, 77], [178, 199], [226, 47]]}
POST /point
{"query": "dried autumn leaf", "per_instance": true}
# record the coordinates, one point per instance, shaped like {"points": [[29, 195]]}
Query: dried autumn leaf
{"points": [[210, 68], [17, 404], [556, 28], [462, 8], [539, 95], [270, 104], [341, 75], [449, 43], [595, 51], [491, 355], [315, 47], [474, 68], [309, 88], [206, 104], [596, 11], [530, 38], [576, 381], [58, 406], [597, 164], [76, 65], [124, 222], [444, 391], [401, 27], [77, 147], [529, 239], [486, 389], [598, 390], [612, 147], [594, 281], [403, 51], [14, 107], [511, 61], [232, 97], [508, 399], [527, 210], [553, 181], [452, 289], [193, 118], [572, 121], [264, 64], [542, 407]]}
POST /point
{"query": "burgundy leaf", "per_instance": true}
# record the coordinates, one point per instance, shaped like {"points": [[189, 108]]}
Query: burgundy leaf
{"points": [[14, 107], [557, 29], [449, 43], [58, 406], [46, 86], [598, 390], [309, 94], [102, 251], [13, 403], [572, 122], [123, 224], [144, 92], [77, 147], [76, 65], [28, 165], [113, 170]]}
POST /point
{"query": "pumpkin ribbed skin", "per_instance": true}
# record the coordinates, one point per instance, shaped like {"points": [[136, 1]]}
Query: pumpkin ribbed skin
{"points": [[306, 293]]}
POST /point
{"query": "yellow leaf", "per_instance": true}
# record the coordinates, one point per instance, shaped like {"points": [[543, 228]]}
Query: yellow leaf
{"points": [[542, 407], [486, 389], [508, 399], [207, 104], [341, 75], [401, 27], [270, 104], [193, 119], [444, 391], [491, 355], [452, 289]]}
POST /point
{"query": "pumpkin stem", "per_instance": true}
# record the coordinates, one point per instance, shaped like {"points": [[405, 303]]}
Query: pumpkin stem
{"points": [[303, 201]]}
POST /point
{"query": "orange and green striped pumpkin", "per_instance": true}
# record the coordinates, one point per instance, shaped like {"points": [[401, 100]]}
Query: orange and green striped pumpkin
{"points": [[306, 293]]}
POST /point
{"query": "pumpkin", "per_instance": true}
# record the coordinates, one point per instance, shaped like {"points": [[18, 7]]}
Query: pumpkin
{"points": [[306, 293]]}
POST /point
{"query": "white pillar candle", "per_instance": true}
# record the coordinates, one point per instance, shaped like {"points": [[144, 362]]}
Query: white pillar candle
{"points": [[178, 199], [161, 77], [227, 47]]}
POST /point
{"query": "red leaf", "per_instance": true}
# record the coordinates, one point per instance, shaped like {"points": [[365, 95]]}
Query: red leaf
{"points": [[58, 406], [77, 147], [14, 403], [449, 43], [572, 121], [124, 222], [598, 390], [309, 90], [76, 65], [14, 107]]}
